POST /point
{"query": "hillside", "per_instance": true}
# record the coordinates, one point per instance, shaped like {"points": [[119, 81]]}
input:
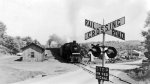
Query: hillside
{"points": [[119, 45]]}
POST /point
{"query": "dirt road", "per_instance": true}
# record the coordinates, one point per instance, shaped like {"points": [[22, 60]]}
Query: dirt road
{"points": [[82, 77]]}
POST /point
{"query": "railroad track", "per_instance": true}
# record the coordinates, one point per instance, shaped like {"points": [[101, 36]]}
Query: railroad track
{"points": [[83, 66]]}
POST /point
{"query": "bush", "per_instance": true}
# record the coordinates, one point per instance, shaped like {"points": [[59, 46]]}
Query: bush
{"points": [[139, 74], [4, 50], [84, 49]]}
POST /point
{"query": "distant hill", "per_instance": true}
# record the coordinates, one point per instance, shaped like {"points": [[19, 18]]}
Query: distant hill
{"points": [[119, 45], [133, 42]]}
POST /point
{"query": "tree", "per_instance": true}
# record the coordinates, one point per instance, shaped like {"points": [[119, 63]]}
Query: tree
{"points": [[85, 49], [2, 32], [20, 42], [2, 29], [27, 40], [11, 44], [146, 35], [37, 42]]}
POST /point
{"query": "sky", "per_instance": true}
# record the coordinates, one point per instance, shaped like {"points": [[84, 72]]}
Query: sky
{"points": [[66, 18]]}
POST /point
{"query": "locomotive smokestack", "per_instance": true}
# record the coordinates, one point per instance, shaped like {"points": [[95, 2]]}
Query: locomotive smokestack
{"points": [[74, 42]]}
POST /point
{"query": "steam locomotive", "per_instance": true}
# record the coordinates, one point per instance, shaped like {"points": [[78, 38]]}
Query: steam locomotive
{"points": [[71, 52]]}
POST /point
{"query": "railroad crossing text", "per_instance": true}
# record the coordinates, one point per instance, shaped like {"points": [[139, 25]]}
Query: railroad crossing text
{"points": [[118, 34]]}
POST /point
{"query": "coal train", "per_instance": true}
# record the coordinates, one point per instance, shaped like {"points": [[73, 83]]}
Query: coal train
{"points": [[71, 52]]}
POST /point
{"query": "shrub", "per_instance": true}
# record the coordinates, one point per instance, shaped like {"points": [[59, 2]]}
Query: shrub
{"points": [[139, 74]]}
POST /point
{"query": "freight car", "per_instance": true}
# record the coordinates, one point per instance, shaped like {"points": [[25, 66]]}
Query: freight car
{"points": [[71, 52]]}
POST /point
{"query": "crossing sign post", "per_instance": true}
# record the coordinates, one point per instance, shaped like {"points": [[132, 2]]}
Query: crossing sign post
{"points": [[102, 29]]}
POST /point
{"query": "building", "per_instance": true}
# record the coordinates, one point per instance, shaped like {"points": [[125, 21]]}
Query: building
{"points": [[33, 53]]}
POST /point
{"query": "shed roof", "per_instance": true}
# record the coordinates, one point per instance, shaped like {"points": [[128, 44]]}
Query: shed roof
{"points": [[23, 48]]}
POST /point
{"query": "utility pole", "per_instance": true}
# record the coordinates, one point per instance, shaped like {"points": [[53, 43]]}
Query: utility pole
{"points": [[103, 61], [103, 53]]}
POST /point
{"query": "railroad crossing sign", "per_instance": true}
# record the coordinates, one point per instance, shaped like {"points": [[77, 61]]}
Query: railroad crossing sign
{"points": [[108, 28], [102, 73]]}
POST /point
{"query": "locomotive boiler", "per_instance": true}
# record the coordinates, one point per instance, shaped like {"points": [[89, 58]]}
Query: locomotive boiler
{"points": [[71, 52]]}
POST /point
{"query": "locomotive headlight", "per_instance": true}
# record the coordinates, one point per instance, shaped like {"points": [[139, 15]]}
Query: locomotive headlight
{"points": [[75, 48]]}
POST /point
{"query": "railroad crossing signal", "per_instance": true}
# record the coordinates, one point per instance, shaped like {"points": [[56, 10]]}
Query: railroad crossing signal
{"points": [[96, 51], [111, 52], [108, 28]]}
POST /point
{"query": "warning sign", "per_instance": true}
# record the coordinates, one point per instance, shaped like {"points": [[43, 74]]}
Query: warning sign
{"points": [[102, 73]]}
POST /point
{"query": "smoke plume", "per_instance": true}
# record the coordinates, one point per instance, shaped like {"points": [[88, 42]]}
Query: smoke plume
{"points": [[74, 7]]}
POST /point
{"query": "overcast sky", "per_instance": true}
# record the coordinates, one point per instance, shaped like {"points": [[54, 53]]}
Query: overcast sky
{"points": [[41, 18]]}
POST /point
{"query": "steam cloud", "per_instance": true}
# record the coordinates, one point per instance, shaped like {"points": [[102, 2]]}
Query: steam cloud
{"points": [[57, 39], [74, 6]]}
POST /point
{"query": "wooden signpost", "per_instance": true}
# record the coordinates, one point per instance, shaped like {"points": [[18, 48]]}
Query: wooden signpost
{"points": [[102, 73]]}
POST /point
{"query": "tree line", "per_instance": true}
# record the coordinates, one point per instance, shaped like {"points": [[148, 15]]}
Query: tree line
{"points": [[12, 45]]}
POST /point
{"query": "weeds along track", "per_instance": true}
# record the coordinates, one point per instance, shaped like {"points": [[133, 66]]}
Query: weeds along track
{"points": [[120, 79], [92, 72]]}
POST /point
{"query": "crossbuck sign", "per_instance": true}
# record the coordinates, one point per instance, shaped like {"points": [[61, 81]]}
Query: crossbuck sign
{"points": [[108, 28], [102, 73]]}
